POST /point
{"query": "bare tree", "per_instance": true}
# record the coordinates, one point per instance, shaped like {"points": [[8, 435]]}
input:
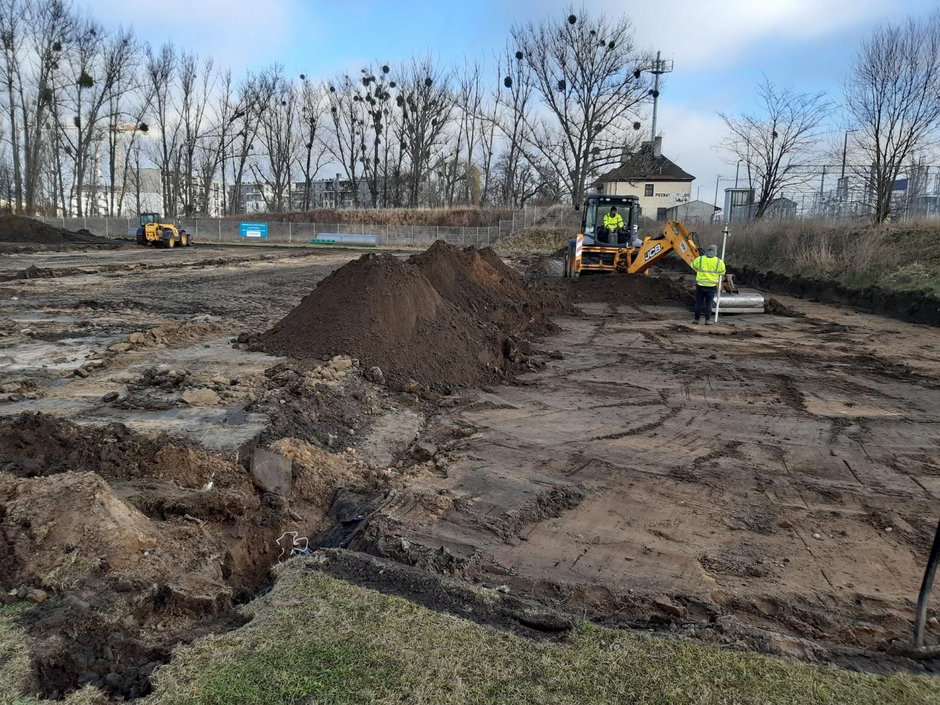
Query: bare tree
{"points": [[127, 106], [514, 101], [195, 91], [245, 124], [587, 73], [161, 69], [347, 142], [376, 94], [424, 104], [774, 142], [54, 26], [311, 126], [90, 76], [893, 95], [278, 137], [462, 173], [12, 39]]}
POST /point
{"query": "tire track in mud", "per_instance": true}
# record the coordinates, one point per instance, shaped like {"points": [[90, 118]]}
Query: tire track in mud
{"points": [[671, 413]]}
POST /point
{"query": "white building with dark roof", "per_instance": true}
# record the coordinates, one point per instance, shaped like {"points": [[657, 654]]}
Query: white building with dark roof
{"points": [[657, 181]]}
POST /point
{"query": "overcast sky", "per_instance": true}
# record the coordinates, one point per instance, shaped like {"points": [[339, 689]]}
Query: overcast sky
{"points": [[720, 48]]}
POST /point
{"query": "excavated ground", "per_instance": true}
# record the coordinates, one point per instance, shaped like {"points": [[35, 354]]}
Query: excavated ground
{"points": [[768, 483]]}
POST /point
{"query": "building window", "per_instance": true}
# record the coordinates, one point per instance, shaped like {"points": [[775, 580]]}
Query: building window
{"points": [[648, 191], [660, 215]]}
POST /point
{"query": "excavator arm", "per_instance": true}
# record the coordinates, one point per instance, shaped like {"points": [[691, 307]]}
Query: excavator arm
{"points": [[675, 238]]}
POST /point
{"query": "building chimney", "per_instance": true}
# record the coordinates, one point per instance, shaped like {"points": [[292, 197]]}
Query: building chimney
{"points": [[658, 146]]}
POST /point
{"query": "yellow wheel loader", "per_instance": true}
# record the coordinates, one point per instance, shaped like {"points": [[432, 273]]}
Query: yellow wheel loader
{"points": [[598, 249], [153, 231]]}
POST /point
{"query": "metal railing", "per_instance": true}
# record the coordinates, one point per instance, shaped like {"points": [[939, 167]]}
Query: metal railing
{"points": [[227, 230]]}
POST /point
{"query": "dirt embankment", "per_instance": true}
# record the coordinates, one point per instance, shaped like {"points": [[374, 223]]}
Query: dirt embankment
{"points": [[913, 306], [17, 232], [143, 541], [442, 319]]}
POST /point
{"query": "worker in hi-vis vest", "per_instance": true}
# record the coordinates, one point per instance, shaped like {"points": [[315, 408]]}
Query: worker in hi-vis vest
{"points": [[613, 221], [709, 269]]}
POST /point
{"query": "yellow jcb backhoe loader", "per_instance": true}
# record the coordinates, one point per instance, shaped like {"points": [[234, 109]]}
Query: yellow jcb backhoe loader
{"points": [[154, 232], [597, 249]]}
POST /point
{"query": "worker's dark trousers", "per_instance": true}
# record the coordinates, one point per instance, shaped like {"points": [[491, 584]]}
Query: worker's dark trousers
{"points": [[704, 297]]}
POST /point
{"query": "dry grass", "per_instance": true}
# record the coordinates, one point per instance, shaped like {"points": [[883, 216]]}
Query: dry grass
{"points": [[460, 216], [315, 639], [902, 256], [535, 241]]}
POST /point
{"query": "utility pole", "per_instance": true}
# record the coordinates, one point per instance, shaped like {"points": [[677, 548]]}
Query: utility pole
{"points": [[658, 68], [845, 149], [822, 185]]}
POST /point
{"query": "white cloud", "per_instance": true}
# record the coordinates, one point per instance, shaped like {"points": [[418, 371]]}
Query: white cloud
{"points": [[708, 34], [690, 139], [233, 32]]}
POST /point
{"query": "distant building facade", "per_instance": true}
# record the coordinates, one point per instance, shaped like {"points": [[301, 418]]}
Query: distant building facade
{"points": [[692, 213], [657, 181], [329, 193]]}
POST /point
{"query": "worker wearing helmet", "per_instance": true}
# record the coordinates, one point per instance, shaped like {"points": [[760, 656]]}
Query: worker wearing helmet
{"points": [[709, 269]]}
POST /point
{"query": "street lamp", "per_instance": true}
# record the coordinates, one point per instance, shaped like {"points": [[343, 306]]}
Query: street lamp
{"points": [[717, 180], [736, 168]]}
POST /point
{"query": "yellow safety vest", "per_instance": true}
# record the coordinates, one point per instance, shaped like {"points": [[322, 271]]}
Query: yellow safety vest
{"points": [[613, 222], [708, 270]]}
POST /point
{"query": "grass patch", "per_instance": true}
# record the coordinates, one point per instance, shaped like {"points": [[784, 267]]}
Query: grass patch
{"points": [[315, 639], [898, 257], [540, 240]]}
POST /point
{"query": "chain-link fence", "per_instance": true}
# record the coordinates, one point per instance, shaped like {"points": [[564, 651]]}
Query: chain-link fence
{"points": [[227, 230]]}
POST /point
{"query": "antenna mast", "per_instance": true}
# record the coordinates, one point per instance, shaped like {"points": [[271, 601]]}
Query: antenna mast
{"points": [[658, 68]]}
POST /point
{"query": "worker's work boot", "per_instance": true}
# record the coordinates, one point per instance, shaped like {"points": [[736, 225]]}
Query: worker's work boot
{"points": [[696, 321], [708, 321]]}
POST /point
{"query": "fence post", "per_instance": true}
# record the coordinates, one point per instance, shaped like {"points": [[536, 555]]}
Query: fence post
{"points": [[219, 221], [290, 231], [412, 235], [386, 234], [107, 230]]}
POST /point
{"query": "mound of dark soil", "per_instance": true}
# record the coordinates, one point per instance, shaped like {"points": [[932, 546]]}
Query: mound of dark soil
{"points": [[17, 229], [633, 289], [443, 318], [38, 445]]}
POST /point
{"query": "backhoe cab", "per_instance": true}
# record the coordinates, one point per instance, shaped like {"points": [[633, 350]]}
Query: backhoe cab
{"points": [[154, 232]]}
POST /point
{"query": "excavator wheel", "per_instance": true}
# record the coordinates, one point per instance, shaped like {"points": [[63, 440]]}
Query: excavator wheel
{"points": [[171, 242], [184, 238]]}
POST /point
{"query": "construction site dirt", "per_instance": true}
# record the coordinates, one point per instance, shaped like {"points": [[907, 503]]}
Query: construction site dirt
{"points": [[767, 483]]}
